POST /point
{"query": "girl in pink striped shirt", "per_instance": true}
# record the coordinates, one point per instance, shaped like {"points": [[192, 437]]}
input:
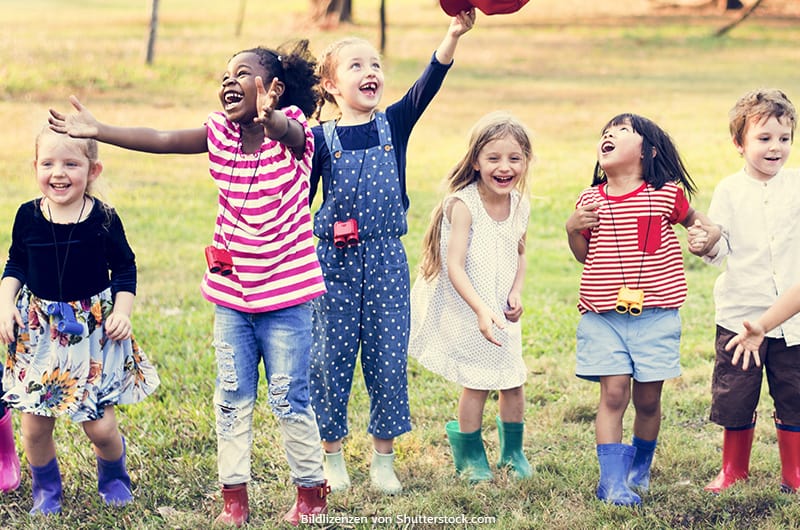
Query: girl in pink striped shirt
{"points": [[263, 269], [632, 286]]}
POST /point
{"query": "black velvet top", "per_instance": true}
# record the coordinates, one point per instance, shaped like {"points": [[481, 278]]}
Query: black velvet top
{"points": [[93, 254]]}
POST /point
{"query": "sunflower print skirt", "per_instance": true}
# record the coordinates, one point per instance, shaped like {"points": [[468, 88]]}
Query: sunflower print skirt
{"points": [[52, 373]]}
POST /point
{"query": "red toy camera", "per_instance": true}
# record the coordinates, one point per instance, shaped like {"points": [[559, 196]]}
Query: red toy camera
{"points": [[345, 233], [219, 260]]}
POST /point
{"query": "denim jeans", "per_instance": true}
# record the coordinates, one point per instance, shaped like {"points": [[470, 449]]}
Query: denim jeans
{"points": [[282, 340]]}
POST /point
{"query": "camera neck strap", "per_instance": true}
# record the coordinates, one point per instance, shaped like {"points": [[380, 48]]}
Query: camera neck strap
{"points": [[616, 237]]}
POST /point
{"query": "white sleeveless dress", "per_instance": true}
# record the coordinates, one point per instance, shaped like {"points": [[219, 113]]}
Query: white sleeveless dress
{"points": [[444, 330]]}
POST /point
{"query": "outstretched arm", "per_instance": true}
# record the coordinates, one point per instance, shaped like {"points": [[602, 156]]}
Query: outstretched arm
{"points": [[460, 221], [84, 125], [748, 341], [459, 25]]}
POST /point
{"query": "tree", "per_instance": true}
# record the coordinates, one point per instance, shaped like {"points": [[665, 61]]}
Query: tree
{"points": [[329, 13], [151, 40]]}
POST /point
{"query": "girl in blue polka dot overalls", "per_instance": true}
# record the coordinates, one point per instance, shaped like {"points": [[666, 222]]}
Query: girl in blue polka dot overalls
{"points": [[360, 159]]}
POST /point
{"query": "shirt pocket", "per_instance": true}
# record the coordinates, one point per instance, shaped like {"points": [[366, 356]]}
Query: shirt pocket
{"points": [[649, 233]]}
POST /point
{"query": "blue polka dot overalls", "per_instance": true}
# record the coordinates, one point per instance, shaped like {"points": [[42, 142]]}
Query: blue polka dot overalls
{"points": [[367, 303]]}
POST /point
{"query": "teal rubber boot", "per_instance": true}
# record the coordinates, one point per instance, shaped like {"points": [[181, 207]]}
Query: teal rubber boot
{"points": [[511, 454], [469, 456]]}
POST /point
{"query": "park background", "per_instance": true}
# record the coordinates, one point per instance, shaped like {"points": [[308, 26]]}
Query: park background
{"points": [[564, 68]]}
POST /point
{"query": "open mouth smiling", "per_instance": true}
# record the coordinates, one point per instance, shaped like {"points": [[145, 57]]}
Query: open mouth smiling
{"points": [[607, 147], [369, 88], [231, 99]]}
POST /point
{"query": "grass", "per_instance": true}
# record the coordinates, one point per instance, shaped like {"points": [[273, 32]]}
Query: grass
{"points": [[565, 78]]}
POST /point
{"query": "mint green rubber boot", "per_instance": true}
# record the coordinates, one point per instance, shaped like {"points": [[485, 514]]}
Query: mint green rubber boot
{"points": [[511, 454], [469, 456]]}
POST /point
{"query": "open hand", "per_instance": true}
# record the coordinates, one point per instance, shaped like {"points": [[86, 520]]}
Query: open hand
{"points": [[80, 125], [747, 344]]}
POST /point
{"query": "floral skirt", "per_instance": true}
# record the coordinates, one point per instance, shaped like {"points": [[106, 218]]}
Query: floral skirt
{"points": [[53, 373]]}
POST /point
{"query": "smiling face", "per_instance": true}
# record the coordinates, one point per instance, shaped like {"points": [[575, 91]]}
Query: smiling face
{"points": [[63, 168], [501, 164], [357, 84], [238, 93], [765, 146], [620, 150]]}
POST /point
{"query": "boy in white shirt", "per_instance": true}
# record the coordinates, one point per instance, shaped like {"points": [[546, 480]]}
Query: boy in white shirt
{"points": [[758, 209]]}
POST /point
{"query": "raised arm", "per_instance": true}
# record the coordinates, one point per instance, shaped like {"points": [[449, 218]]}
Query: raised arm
{"points": [[459, 25], [84, 125]]}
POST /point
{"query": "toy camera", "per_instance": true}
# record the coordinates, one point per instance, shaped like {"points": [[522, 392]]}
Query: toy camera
{"points": [[630, 301], [68, 323], [345, 233], [219, 260]]}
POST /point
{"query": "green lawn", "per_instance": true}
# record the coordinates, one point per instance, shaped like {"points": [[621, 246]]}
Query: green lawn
{"points": [[565, 79]]}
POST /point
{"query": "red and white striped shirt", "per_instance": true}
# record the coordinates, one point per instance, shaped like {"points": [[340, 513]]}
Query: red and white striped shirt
{"points": [[263, 219], [634, 245]]}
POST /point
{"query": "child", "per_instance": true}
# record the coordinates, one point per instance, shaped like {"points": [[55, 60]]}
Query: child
{"points": [[760, 217], [467, 299], [9, 461], [632, 285], [262, 267], [65, 310], [361, 160]]}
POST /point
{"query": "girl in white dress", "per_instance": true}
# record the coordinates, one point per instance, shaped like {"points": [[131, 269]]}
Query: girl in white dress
{"points": [[467, 299]]}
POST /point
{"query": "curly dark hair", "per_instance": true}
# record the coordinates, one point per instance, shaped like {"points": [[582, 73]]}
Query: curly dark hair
{"points": [[294, 65]]}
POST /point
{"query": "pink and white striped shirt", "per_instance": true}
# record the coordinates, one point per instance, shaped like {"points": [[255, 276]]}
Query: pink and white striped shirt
{"points": [[263, 219], [636, 246]]}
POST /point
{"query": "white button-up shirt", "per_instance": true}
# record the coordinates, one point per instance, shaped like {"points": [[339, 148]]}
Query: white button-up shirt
{"points": [[760, 223]]}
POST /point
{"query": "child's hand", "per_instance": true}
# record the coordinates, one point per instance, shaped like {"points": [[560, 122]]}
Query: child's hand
{"points": [[118, 326], [702, 238], [80, 125], [584, 217], [8, 318], [267, 100], [485, 321], [514, 311], [747, 344], [462, 22]]}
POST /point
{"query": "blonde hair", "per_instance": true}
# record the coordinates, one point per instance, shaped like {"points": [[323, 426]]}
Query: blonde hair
{"points": [[490, 127], [329, 61], [759, 104]]}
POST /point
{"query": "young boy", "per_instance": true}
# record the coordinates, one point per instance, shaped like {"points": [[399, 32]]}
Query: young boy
{"points": [[758, 209]]}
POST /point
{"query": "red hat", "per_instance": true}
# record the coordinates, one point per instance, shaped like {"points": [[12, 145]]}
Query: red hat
{"points": [[489, 7]]}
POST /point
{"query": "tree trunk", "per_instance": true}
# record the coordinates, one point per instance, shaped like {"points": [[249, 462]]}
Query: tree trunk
{"points": [[329, 13], [746, 13], [151, 41]]}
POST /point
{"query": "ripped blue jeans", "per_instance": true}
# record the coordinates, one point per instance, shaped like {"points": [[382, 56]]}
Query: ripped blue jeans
{"points": [[282, 340]]}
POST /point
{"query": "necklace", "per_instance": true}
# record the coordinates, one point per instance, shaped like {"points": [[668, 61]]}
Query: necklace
{"points": [[647, 234], [244, 201], [60, 268]]}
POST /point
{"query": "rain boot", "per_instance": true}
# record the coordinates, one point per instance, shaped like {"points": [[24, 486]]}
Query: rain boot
{"points": [[310, 501], [639, 476], [113, 481], [736, 445], [46, 488], [511, 454], [9, 461], [615, 466], [789, 447], [235, 510], [335, 470], [381, 473], [469, 456]]}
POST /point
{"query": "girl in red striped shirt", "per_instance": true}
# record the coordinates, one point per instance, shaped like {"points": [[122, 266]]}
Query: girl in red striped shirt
{"points": [[631, 288]]}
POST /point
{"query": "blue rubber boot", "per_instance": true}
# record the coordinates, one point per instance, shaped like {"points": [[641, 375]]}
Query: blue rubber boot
{"points": [[46, 488], [639, 476], [615, 464], [511, 454], [113, 481], [469, 456]]}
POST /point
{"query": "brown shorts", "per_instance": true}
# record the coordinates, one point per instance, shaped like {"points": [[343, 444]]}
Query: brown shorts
{"points": [[735, 392]]}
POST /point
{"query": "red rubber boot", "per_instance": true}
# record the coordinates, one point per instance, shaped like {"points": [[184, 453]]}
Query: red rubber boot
{"points": [[310, 501], [789, 447], [736, 445], [236, 510]]}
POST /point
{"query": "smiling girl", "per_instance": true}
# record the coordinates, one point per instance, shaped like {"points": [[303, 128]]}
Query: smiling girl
{"points": [[263, 271]]}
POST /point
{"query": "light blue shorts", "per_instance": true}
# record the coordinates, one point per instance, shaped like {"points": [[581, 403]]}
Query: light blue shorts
{"points": [[646, 347]]}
